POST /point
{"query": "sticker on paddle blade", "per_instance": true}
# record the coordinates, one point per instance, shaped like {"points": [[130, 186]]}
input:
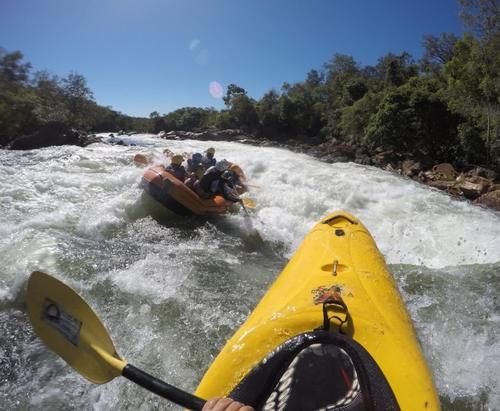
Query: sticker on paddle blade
{"points": [[63, 322]]}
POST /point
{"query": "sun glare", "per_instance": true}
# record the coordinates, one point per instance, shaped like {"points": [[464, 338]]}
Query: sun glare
{"points": [[215, 89]]}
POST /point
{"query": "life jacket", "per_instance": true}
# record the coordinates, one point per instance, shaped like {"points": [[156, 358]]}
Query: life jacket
{"points": [[208, 162], [177, 171], [210, 176]]}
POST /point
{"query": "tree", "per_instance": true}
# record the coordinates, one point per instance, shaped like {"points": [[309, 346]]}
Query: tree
{"points": [[268, 110], [233, 91], [77, 96], [243, 112], [415, 120], [52, 105], [354, 119], [474, 90], [396, 69], [438, 51], [12, 71], [481, 16]]}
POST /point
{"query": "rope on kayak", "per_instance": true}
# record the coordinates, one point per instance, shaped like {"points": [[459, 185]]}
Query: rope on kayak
{"points": [[334, 301]]}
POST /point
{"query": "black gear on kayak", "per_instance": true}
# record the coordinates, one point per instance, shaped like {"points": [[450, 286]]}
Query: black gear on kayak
{"points": [[317, 370]]}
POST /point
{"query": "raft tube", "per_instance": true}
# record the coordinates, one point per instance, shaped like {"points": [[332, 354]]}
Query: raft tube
{"points": [[333, 314], [176, 196]]}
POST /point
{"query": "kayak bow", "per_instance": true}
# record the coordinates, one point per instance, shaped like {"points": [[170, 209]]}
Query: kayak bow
{"points": [[336, 283]]}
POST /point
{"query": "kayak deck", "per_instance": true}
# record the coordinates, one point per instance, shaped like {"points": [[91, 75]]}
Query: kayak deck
{"points": [[339, 259]]}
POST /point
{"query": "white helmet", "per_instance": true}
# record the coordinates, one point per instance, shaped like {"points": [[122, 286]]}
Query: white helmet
{"points": [[222, 165]]}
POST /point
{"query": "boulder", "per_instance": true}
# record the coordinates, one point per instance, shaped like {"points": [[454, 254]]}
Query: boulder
{"points": [[482, 172], [473, 190], [491, 199], [50, 134], [410, 168], [442, 184], [444, 171]]}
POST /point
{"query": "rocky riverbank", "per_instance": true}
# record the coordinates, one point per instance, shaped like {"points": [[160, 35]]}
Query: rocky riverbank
{"points": [[53, 134], [477, 184]]}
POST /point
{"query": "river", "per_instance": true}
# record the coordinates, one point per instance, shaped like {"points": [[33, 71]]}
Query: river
{"points": [[171, 290]]}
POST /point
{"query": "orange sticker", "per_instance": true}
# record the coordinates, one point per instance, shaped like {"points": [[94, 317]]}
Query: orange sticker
{"points": [[324, 293]]}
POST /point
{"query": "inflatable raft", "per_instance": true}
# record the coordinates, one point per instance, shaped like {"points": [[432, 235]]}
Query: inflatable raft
{"points": [[178, 197], [332, 333]]}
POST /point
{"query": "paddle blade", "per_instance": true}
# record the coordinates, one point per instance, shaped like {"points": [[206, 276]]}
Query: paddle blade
{"points": [[69, 327], [249, 203]]}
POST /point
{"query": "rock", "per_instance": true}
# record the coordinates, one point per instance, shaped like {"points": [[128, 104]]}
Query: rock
{"points": [[482, 172], [444, 171], [442, 184], [51, 134], [494, 187], [491, 199], [472, 190], [410, 168]]}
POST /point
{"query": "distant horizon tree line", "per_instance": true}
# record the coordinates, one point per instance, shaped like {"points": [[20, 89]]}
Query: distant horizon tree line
{"points": [[445, 107]]}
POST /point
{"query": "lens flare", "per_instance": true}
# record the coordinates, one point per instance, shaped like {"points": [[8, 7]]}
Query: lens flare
{"points": [[193, 44], [215, 89]]}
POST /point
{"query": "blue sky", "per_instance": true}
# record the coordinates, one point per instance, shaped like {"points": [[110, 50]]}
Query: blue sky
{"points": [[144, 55]]}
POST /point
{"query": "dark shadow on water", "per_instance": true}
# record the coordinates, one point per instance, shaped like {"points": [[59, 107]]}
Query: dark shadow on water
{"points": [[251, 238]]}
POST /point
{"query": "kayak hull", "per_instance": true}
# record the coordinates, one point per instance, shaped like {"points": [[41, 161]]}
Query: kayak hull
{"points": [[337, 258]]}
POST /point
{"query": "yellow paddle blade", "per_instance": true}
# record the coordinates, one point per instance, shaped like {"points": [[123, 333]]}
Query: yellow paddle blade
{"points": [[69, 327], [249, 203]]}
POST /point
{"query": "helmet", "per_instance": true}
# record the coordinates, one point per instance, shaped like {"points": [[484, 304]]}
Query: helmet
{"points": [[196, 157], [222, 165], [211, 150], [177, 159]]}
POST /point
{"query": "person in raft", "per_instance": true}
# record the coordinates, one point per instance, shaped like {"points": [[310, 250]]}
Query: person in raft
{"points": [[195, 170], [217, 180], [208, 159], [225, 404], [176, 168]]}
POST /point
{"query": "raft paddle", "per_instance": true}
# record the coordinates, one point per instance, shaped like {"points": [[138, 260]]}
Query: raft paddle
{"points": [[70, 328], [249, 203], [248, 219]]}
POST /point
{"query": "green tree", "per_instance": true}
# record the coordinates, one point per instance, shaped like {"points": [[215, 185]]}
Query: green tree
{"points": [[268, 110], [77, 95], [481, 16], [414, 119], [233, 90], [396, 69], [355, 118], [474, 92], [438, 51]]}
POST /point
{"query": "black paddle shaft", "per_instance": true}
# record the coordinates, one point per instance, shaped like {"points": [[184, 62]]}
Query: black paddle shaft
{"points": [[163, 389]]}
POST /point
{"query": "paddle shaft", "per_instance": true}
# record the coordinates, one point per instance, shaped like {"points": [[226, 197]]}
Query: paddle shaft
{"points": [[244, 208], [163, 389]]}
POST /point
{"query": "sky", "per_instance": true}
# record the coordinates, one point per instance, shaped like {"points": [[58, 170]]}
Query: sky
{"points": [[140, 56]]}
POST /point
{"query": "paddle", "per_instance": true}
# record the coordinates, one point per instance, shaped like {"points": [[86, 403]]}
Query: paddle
{"points": [[249, 203], [69, 327], [248, 218]]}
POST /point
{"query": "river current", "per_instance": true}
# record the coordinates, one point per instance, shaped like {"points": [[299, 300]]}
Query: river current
{"points": [[171, 290]]}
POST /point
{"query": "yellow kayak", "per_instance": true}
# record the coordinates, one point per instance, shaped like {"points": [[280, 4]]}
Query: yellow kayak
{"points": [[331, 333]]}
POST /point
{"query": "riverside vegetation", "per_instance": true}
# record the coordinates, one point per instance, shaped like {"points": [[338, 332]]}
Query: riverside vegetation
{"points": [[410, 115]]}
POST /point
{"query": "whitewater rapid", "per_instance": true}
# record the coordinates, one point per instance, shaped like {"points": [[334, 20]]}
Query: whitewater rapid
{"points": [[171, 290]]}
